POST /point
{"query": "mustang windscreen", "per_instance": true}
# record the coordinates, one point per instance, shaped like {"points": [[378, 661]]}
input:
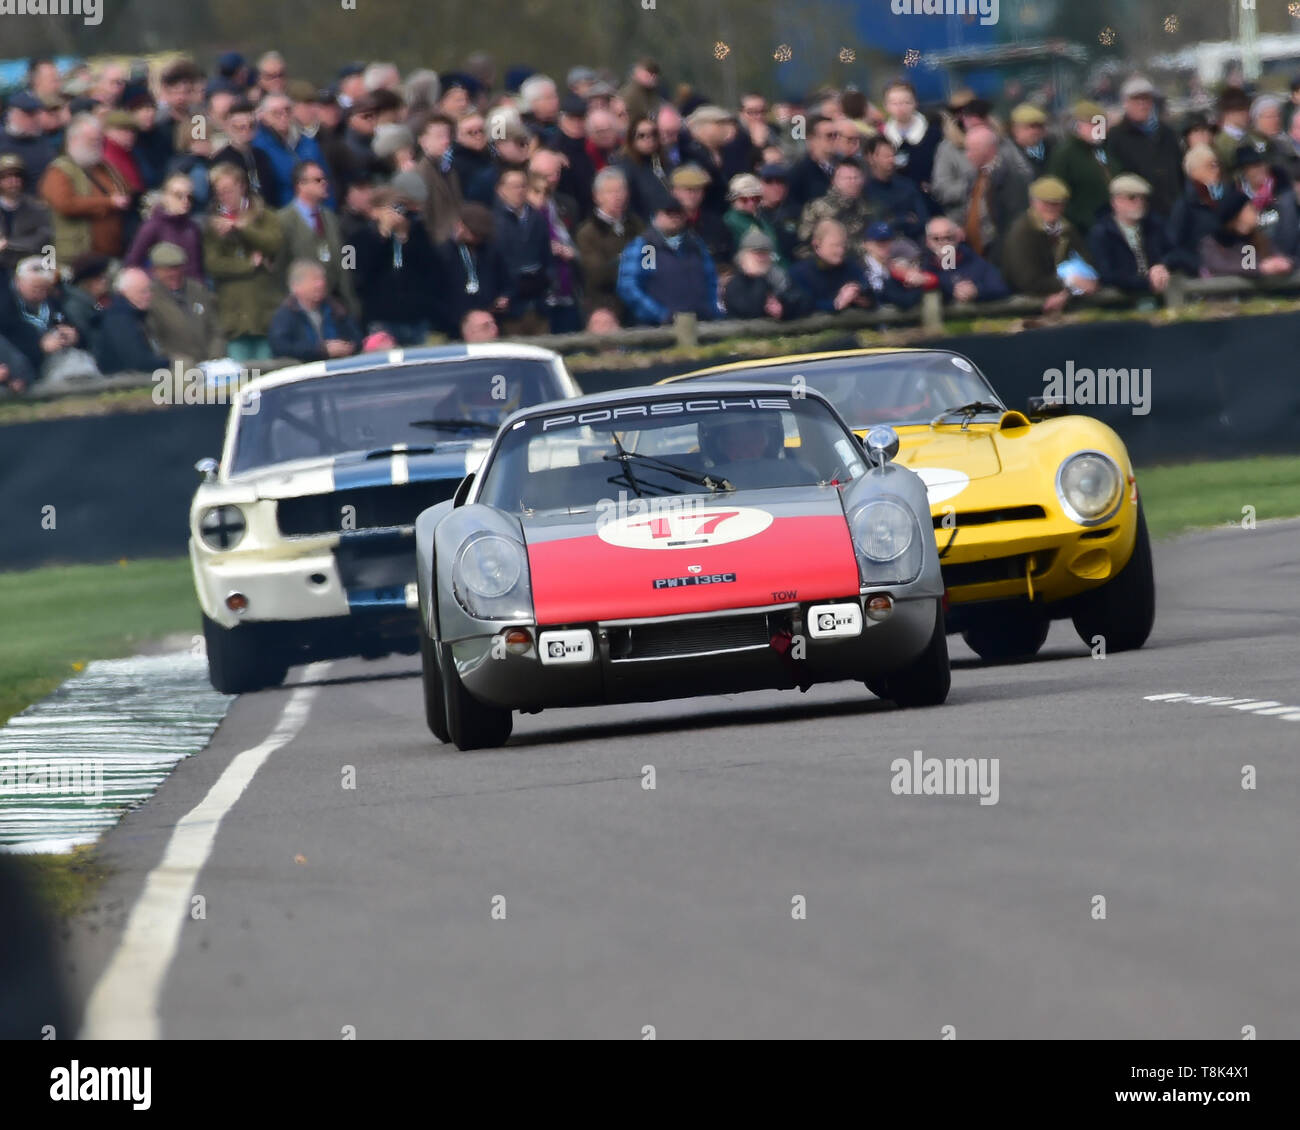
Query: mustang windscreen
{"points": [[700, 445], [900, 388], [420, 405]]}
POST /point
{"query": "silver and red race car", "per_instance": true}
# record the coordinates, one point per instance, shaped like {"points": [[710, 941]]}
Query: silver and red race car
{"points": [[663, 543]]}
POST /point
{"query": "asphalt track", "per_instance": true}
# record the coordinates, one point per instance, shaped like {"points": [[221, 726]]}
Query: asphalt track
{"points": [[672, 908]]}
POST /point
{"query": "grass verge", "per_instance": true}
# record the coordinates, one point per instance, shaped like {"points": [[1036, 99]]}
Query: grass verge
{"points": [[60, 617], [1191, 495]]}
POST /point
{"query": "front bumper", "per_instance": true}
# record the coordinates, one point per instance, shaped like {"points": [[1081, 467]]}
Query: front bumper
{"points": [[364, 574], [686, 656], [1043, 560]]}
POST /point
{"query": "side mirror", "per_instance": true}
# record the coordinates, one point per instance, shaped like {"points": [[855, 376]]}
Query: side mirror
{"points": [[462, 491], [207, 469], [1041, 406], [880, 444]]}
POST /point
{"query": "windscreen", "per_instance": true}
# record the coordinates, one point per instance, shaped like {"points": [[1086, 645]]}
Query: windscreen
{"points": [[377, 408], [894, 388], [668, 446]]}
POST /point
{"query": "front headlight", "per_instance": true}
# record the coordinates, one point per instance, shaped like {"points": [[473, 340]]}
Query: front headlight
{"points": [[883, 530], [1090, 487], [490, 578], [222, 527], [887, 540]]}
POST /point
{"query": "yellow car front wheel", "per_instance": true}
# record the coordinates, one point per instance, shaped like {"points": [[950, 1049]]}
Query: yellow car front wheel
{"points": [[1122, 612]]}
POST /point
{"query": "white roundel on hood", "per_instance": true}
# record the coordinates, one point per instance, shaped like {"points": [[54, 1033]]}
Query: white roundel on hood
{"points": [[941, 483], [691, 527]]}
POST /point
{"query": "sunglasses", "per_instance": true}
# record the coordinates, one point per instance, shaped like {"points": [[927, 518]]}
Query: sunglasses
{"points": [[647, 136], [273, 74], [474, 132]]}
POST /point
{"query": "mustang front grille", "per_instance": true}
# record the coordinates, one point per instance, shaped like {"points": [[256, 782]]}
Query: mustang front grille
{"points": [[371, 508], [997, 569], [683, 638], [988, 517]]}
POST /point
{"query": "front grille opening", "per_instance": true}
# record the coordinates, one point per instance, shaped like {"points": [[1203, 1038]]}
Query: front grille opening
{"points": [[997, 569], [988, 517], [362, 508], [1105, 533], [684, 638]]}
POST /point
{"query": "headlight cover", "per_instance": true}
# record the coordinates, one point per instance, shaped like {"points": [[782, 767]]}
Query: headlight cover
{"points": [[490, 578], [886, 539], [1090, 487], [222, 527]]}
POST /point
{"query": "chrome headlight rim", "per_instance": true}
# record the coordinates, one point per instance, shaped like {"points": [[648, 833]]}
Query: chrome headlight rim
{"points": [[1070, 511], [895, 504], [221, 527], [472, 544]]}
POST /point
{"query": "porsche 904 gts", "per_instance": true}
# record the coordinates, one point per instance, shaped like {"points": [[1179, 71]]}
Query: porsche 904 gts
{"points": [[302, 535], [662, 543], [1036, 517]]}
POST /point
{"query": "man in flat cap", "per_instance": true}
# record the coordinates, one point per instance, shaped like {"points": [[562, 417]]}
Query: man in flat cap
{"points": [[22, 134], [1129, 245], [1039, 242], [709, 128], [1029, 132], [746, 195], [1234, 126], [182, 317], [25, 224], [690, 186], [1083, 163], [760, 288], [1141, 143]]}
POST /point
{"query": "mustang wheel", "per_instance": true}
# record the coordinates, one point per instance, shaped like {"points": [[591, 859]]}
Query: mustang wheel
{"points": [[471, 724], [242, 659], [1123, 610], [435, 703], [926, 681], [1009, 635]]}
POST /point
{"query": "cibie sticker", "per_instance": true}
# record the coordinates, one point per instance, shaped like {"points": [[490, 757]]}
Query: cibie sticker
{"points": [[691, 528], [964, 365], [941, 483]]}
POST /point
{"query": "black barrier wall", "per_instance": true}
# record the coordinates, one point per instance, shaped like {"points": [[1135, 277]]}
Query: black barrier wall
{"points": [[121, 484]]}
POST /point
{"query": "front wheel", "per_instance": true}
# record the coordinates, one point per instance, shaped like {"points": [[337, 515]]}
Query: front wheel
{"points": [[1123, 611], [242, 659], [1009, 635], [927, 681], [470, 723], [435, 705]]}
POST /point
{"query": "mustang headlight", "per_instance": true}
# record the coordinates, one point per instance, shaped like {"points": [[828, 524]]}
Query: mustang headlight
{"points": [[1090, 487], [222, 527], [490, 578], [888, 544]]}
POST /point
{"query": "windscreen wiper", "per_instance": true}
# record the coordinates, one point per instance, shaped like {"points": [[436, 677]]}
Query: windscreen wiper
{"points": [[455, 425], [684, 473], [401, 449], [967, 411]]}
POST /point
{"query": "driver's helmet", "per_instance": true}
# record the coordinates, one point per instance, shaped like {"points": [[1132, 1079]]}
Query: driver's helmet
{"points": [[715, 443], [474, 401]]}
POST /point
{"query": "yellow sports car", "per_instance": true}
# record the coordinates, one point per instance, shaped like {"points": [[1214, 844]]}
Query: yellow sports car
{"points": [[1035, 519]]}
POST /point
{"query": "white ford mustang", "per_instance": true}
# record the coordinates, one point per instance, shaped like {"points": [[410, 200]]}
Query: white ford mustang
{"points": [[301, 536]]}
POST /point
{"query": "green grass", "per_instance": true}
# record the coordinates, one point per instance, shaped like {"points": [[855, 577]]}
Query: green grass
{"points": [[58, 618], [64, 883], [1214, 494]]}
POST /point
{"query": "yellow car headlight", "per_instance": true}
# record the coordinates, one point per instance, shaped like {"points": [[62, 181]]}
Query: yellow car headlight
{"points": [[1090, 487]]}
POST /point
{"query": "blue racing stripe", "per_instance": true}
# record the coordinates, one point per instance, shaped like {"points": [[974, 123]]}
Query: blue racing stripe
{"points": [[363, 473]]}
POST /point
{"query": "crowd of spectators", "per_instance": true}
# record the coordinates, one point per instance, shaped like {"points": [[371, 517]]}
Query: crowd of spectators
{"points": [[248, 214]]}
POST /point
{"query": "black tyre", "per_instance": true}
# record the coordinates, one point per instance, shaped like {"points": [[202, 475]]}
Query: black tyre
{"points": [[1010, 635], [242, 659], [470, 723], [927, 681], [1122, 611], [435, 703]]}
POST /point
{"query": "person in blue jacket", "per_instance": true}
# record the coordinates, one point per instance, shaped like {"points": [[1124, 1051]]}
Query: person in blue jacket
{"points": [[668, 271], [309, 325], [285, 149]]}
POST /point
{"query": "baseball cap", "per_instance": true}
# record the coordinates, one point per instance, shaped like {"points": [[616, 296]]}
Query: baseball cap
{"points": [[1138, 87], [879, 232], [743, 185]]}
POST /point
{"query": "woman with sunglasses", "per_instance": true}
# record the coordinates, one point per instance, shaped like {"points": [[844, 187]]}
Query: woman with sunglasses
{"points": [[171, 221], [647, 168]]}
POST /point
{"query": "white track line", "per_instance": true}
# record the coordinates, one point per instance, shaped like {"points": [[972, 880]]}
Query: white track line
{"points": [[1259, 706], [124, 1004]]}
